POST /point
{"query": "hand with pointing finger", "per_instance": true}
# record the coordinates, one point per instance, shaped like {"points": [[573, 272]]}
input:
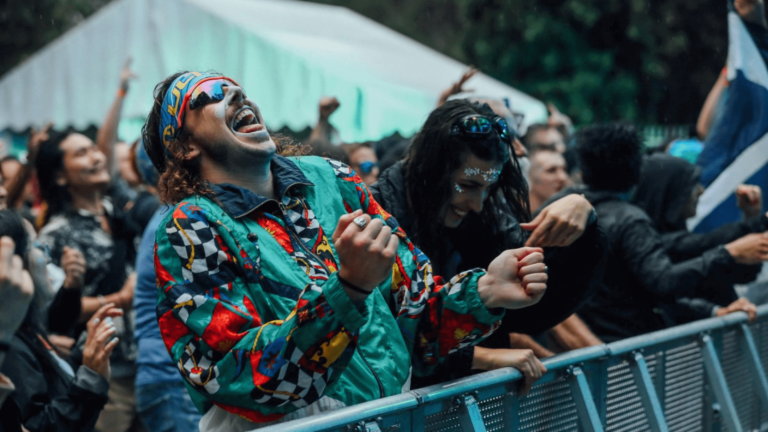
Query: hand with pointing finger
{"points": [[560, 223]]}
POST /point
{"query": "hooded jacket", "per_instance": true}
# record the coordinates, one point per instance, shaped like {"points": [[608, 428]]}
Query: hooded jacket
{"points": [[640, 277], [574, 271], [664, 191], [251, 309]]}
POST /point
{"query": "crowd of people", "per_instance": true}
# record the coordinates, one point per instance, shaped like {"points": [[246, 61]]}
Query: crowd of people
{"points": [[214, 276]]}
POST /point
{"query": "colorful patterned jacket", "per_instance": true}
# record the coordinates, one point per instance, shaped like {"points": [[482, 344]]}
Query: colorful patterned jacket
{"points": [[252, 312]]}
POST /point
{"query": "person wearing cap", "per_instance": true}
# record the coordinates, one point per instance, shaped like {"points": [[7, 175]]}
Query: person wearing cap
{"points": [[284, 289]]}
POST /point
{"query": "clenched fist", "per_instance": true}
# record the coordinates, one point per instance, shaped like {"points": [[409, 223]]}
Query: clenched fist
{"points": [[515, 279], [365, 254]]}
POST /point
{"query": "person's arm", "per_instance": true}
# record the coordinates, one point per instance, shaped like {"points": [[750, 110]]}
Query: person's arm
{"points": [[457, 87], [438, 318], [573, 334], [708, 114], [230, 348], [16, 291], [123, 299], [107, 135], [524, 360], [683, 245], [575, 272], [647, 261], [77, 409], [523, 341], [324, 130]]}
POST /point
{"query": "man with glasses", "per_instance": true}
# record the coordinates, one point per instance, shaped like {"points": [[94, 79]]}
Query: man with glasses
{"points": [[284, 288]]}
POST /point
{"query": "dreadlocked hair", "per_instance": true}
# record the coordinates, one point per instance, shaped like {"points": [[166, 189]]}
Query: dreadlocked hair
{"points": [[180, 178], [433, 157]]}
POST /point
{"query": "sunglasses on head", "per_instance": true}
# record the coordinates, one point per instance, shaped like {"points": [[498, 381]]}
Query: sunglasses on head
{"points": [[476, 125], [367, 166]]}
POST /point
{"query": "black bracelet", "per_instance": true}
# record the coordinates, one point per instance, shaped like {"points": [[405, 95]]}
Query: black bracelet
{"points": [[352, 286]]}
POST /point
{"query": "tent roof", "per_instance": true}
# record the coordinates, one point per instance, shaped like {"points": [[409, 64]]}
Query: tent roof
{"points": [[286, 54]]}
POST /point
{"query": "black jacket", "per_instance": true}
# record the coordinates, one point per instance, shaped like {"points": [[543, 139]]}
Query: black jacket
{"points": [[574, 272], [663, 193], [641, 278], [47, 398]]}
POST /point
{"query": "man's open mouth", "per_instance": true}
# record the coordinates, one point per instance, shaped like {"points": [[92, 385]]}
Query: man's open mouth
{"points": [[245, 121]]}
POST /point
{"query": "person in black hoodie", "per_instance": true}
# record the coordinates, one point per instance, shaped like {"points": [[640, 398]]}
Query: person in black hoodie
{"points": [[51, 395], [668, 192], [469, 178], [640, 277]]}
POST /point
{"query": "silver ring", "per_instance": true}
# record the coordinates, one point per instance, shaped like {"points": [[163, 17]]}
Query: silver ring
{"points": [[359, 221], [546, 269]]}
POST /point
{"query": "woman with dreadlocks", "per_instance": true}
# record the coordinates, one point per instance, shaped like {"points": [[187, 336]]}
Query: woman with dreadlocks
{"points": [[461, 195]]}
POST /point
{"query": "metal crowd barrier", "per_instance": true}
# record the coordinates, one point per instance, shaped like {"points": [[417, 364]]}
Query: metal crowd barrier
{"points": [[704, 376]]}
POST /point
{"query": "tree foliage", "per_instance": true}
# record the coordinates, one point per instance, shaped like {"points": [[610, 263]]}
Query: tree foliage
{"points": [[648, 61]]}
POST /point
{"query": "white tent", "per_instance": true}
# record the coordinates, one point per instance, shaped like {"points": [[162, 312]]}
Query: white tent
{"points": [[286, 54]]}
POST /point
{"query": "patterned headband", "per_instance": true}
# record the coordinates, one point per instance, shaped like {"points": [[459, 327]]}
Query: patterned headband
{"points": [[175, 102]]}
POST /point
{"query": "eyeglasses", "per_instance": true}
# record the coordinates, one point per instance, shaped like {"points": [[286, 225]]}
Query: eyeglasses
{"points": [[209, 91], [206, 91], [367, 166], [477, 125]]}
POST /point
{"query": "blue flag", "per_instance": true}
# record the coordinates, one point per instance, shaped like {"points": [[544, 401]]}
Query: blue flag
{"points": [[736, 150]]}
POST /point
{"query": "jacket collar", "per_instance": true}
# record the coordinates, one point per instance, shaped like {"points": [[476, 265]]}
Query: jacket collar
{"points": [[238, 201]]}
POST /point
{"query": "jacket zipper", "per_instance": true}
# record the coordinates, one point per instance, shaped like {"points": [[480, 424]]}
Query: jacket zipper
{"points": [[378, 381], [317, 258]]}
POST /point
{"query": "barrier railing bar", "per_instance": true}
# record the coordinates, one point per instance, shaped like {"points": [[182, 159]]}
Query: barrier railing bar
{"points": [[756, 366], [719, 385], [585, 405], [469, 414], [647, 391]]}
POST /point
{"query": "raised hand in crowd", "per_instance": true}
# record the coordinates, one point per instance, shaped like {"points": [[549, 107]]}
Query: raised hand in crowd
{"points": [[324, 130], [73, 264], [366, 253], [524, 360], [458, 86], [328, 105], [750, 200], [740, 305], [750, 249], [560, 223], [127, 75], [98, 345], [16, 290], [558, 120], [515, 279]]}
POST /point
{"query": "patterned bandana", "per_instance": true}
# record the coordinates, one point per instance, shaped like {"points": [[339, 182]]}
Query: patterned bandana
{"points": [[187, 89]]}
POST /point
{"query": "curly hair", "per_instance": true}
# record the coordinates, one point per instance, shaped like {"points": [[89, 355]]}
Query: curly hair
{"points": [[610, 156], [436, 153], [179, 177]]}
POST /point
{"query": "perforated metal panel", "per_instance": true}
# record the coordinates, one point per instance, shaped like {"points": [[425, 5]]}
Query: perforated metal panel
{"points": [[684, 381], [739, 378], [445, 421], [549, 407], [492, 409], [624, 409]]}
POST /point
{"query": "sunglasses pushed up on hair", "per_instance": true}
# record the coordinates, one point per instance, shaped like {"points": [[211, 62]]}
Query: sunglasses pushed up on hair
{"points": [[476, 125]]}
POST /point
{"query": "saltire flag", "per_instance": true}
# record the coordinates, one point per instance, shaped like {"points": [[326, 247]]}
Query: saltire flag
{"points": [[736, 149]]}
